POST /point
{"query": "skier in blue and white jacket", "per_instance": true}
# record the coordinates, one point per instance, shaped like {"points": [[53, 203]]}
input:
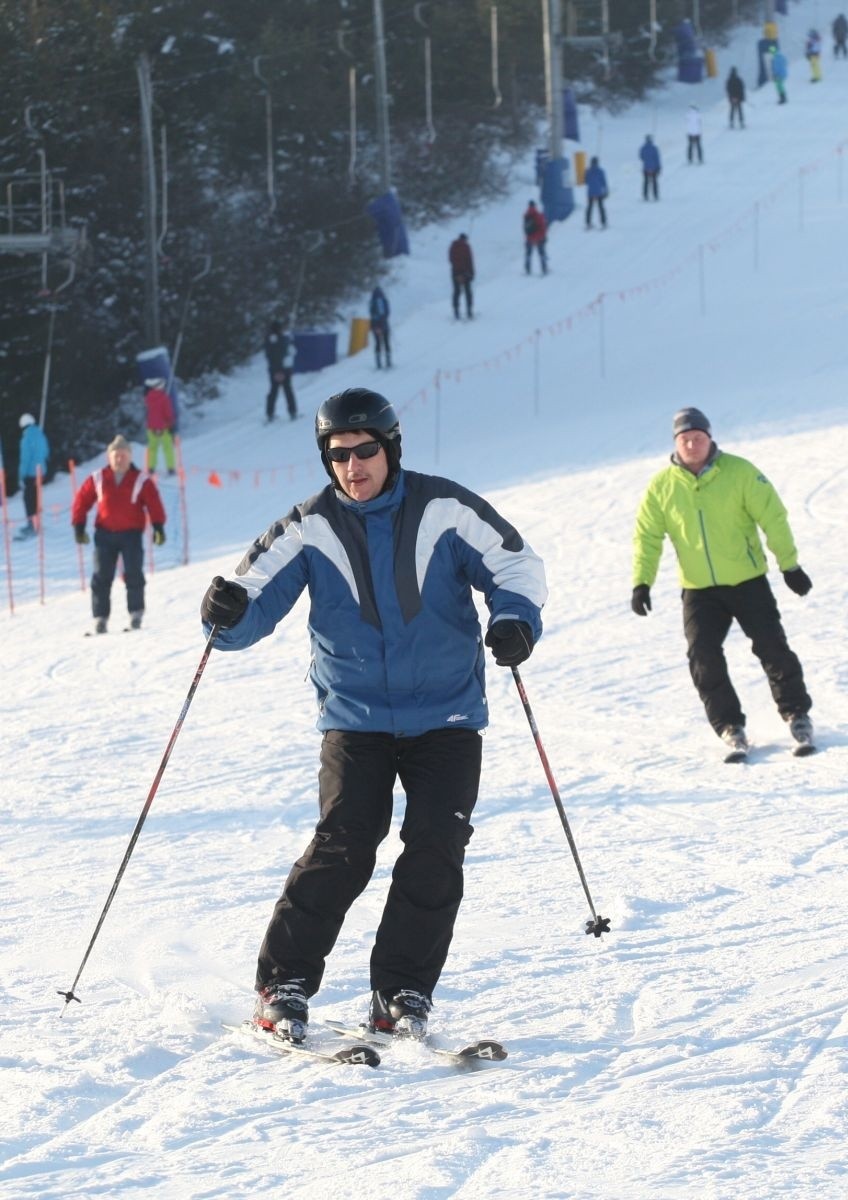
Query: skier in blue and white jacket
{"points": [[390, 558]]}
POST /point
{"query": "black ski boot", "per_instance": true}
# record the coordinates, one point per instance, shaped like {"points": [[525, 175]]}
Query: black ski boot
{"points": [[282, 1009], [399, 1011]]}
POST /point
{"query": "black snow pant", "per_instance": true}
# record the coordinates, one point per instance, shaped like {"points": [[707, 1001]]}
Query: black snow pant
{"points": [[736, 111], [108, 548], [30, 488], [650, 184], [280, 379], [440, 774], [542, 251], [593, 200], [462, 283], [382, 344], [707, 616], [693, 149]]}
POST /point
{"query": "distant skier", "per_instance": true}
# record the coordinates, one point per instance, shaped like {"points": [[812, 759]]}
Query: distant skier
{"points": [[711, 505], [694, 126], [462, 273], [596, 192], [735, 89], [125, 498], [280, 356], [812, 51], [840, 36], [535, 236], [34, 453], [779, 73], [651, 167], [378, 309], [160, 424]]}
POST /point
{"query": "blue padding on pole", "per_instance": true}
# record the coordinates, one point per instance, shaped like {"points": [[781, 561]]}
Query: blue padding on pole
{"points": [[156, 364], [390, 227], [557, 193]]}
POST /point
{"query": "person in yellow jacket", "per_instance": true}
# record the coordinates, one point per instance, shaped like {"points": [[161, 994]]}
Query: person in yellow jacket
{"points": [[711, 505]]}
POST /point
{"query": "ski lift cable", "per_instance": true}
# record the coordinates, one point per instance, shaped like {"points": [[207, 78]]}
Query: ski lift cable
{"points": [[204, 270], [269, 137], [493, 31]]}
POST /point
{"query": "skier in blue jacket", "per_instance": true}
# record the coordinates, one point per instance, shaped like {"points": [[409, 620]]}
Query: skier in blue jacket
{"points": [[596, 191], [651, 166], [390, 559], [35, 451]]}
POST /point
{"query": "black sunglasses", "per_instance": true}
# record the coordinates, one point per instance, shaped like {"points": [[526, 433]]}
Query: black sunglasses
{"points": [[343, 453]]}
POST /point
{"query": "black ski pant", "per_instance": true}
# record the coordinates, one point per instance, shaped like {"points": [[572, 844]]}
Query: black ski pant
{"points": [[462, 283], [736, 111], [693, 148], [650, 184], [440, 774], [593, 200], [30, 488], [280, 379], [108, 548], [381, 344], [707, 616]]}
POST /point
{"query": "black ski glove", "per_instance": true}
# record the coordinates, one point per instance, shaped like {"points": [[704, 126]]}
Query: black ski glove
{"points": [[224, 603], [80, 535], [798, 580], [640, 601], [511, 642], [158, 535]]}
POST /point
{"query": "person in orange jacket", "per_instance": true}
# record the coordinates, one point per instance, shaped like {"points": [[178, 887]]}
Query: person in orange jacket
{"points": [[125, 498]]}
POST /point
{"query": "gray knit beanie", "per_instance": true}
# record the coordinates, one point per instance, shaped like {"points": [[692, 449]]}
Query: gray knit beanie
{"points": [[690, 418]]}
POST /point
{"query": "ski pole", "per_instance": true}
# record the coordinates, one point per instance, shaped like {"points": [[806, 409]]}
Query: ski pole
{"points": [[175, 733], [598, 924]]}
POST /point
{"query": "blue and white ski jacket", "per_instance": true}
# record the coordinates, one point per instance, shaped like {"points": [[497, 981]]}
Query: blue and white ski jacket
{"points": [[396, 640]]}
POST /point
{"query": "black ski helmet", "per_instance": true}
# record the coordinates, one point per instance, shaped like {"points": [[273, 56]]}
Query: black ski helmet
{"points": [[355, 409]]}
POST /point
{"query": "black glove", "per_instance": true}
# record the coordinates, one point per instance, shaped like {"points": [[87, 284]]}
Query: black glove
{"points": [[640, 601], [158, 534], [511, 642], [224, 603], [80, 536], [798, 580]]}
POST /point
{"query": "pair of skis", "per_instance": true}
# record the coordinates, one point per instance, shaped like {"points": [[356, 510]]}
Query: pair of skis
{"points": [[363, 1052]]}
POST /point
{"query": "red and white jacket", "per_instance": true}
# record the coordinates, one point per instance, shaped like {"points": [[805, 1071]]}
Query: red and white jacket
{"points": [[120, 506]]}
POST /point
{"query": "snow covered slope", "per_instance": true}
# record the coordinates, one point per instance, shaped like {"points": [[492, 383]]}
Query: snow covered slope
{"points": [[700, 1048]]}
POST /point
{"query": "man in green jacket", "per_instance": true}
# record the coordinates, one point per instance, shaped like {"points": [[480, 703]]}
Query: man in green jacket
{"points": [[710, 504]]}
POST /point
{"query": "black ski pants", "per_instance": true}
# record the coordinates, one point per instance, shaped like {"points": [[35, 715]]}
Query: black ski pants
{"points": [[462, 284], [650, 184], [277, 380], [108, 548], [382, 344], [440, 774], [707, 616], [590, 208]]}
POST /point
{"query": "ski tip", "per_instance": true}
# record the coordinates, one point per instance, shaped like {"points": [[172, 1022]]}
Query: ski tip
{"points": [[364, 1056]]}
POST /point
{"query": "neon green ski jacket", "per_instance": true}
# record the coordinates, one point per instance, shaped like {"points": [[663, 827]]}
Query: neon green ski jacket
{"points": [[712, 522]]}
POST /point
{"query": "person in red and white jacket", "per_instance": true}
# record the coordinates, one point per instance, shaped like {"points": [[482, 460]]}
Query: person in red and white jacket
{"points": [[125, 498]]}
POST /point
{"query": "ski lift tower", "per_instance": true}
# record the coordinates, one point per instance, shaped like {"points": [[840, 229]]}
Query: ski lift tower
{"points": [[35, 223]]}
